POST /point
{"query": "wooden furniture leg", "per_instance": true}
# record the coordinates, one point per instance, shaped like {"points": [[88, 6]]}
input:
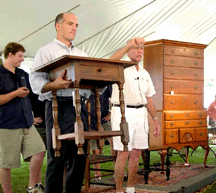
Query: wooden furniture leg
{"points": [[187, 154], [147, 165], [98, 114], [123, 124], [78, 126], [168, 164], [55, 130]]}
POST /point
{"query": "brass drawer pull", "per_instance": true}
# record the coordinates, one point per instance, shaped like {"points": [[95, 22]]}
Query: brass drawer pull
{"points": [[171, 124], [200, 122], [172, 61], [171, 116], [196, 63], [195, 102], [172, 73], [172, 102], [200, 115], [99, 70], [172, 87], [195, 74], [187, 115], [172, 51], [201, 133], [187, 122], [195, 53], [196, 87], [171, 136]]}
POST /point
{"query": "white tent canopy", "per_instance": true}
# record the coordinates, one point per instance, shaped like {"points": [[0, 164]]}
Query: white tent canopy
{"points": [[106, 25]]}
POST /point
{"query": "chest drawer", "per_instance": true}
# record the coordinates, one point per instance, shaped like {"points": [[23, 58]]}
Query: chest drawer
{"points": [[183, 86], [171, 136], [181, 115], [183, 73], [185, 123], [183, 51], [183, 61], [201, 134], [187, 135], [183, 102]]}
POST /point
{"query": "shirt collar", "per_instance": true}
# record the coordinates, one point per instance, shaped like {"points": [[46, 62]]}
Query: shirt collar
{"points": [[140, 66], [62, 44]]}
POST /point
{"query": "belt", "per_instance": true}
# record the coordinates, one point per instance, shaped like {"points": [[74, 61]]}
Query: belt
{"points": [[130, 106]]}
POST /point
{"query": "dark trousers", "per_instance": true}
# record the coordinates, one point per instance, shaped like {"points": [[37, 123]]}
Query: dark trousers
{"points": [[74, 163]]}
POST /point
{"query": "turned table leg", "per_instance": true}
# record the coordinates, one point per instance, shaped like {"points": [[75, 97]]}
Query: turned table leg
{"points": [[123, 124], [98, 114], [78, 126], [56, 129]]}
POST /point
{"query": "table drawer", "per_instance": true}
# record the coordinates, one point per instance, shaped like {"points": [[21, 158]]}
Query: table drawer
{"points": [[179, 115], [184, 51], [98, 72], [201, 134], [171, 136], [183, 102], [187, 135], [183, 73], [183, 86], [183, 61], [185, 123]]}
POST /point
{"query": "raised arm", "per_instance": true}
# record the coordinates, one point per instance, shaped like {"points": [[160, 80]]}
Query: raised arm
{"points": [[133, 43]]}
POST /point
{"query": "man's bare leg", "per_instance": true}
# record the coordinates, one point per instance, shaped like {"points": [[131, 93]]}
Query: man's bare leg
{"points": [[35, 168], [5, 180], [133, 165], [121, 160]]}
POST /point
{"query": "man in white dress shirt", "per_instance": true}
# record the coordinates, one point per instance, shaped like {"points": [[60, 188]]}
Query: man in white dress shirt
{"points": [[66, 26], [138, 90]]}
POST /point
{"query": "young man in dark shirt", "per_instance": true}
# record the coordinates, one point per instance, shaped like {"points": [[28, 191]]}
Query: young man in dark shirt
{"points": [[17, 132]]}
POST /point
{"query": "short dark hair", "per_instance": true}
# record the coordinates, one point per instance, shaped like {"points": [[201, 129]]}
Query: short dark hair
{"points": [[59, 18], [13, 48]]}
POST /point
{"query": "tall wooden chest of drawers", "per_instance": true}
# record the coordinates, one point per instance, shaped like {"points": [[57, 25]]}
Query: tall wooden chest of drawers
{"points": [[177, 71]]}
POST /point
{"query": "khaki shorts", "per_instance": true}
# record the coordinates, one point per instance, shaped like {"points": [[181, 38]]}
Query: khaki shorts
{"points": [[93, 143], [15, 141]]}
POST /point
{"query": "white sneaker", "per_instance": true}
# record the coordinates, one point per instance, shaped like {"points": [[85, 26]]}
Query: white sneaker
{"points": [[32, 190], [40, 188], [37, 189]]}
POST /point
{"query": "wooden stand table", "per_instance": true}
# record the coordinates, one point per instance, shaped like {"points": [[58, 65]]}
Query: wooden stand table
{"points": [[87, 73]]}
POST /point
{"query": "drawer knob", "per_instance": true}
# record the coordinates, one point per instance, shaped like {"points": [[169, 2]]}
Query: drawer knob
{"points": [[200, 114], [172, 61], [172, 87], [171, 116], [171, 136], [172, 73], [195, 53], [200, 122], [201, 134], [195, 102], [171, 124], [196, 63], [187, 115], [196, 87], [187, 122], [172, 102], [99, 69], [172, 51], [195, 74], [185, 61]]}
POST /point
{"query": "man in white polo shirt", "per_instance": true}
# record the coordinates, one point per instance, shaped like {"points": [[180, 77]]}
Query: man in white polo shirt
{"points": [[138, 90]]}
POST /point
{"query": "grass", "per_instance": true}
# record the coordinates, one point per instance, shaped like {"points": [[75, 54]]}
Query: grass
{"points": [[20, 175]]}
